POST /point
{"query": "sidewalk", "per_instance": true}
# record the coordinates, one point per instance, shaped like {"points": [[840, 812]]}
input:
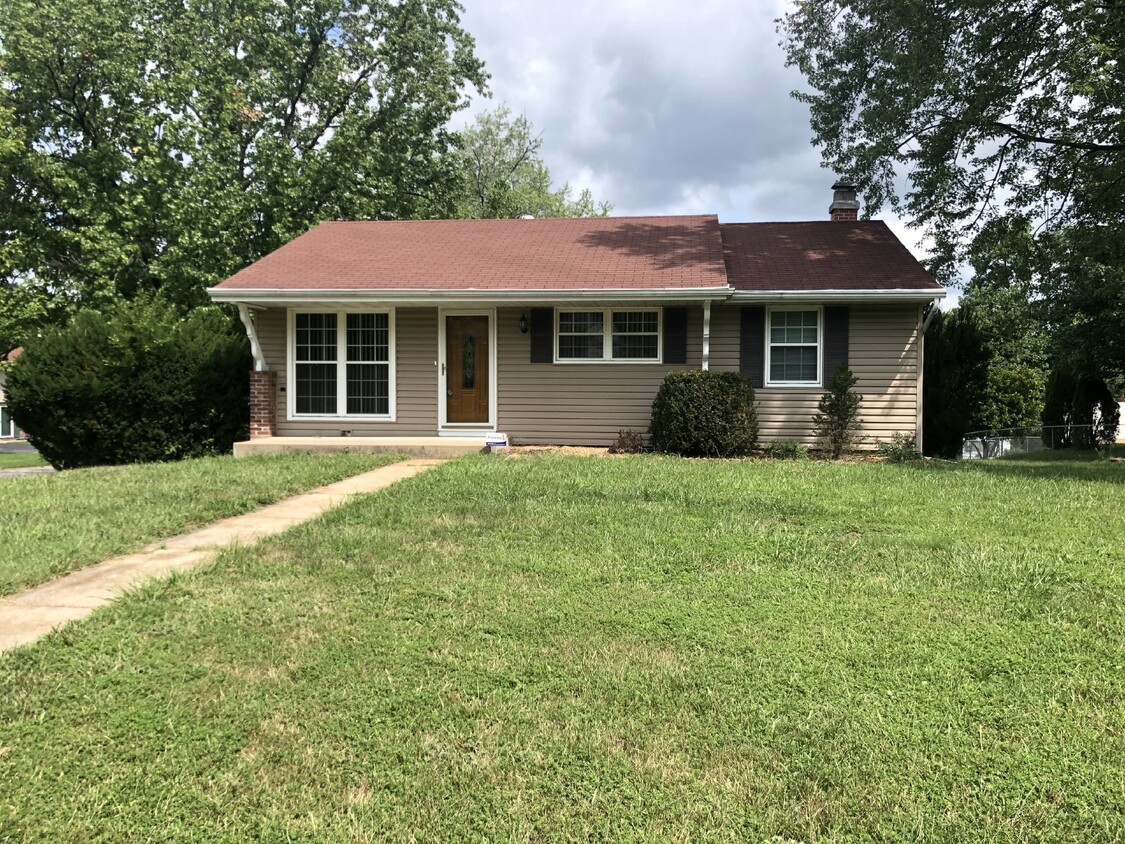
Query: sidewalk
{"points": [[28, 615]]}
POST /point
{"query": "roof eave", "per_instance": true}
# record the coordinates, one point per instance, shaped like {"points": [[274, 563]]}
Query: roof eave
{"points": [[908, 294], [440, 296]]}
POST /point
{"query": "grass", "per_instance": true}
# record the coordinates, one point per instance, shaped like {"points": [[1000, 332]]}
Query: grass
{"points": [[643, 649], [20, 459], [51, 524]]}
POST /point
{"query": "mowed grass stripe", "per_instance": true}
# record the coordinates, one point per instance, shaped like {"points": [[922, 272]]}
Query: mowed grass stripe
{"points": [[52, 524], [637, 649]]}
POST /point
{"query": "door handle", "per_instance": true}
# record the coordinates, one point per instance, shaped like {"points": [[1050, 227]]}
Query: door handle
{"points": [[449, 393]]}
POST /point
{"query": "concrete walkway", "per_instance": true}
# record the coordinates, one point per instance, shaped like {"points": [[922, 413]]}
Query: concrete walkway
{"points": [[28, 615]]}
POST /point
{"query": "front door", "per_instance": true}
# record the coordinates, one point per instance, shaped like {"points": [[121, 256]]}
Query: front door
{"points": [[467, 376]]}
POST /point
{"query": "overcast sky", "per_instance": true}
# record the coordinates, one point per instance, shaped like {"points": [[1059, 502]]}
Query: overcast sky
{"points": [[660, 106]]}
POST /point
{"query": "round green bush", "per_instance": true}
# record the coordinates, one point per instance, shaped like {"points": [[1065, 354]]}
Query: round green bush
{"points": [[137, 383], [704, 414]]}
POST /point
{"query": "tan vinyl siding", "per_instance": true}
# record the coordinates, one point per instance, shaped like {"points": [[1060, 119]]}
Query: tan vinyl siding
{"points": [[416, 378], [588, 403], [883, 354], [577, 403]]}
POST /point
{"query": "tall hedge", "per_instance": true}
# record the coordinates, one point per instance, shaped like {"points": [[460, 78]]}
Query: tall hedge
{"points": [[701, 413], [137, 383]]}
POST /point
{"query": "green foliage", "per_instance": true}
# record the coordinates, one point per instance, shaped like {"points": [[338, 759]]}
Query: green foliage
{"points": [[134, 383], [901, 448], [837, 423], [955, 374], [1083, 411], [629, 442], [997, 114], [1057, 408], [1003, 295], [704, 413], [1012, 397], [164, 145], [502, 175], [786, 450]]}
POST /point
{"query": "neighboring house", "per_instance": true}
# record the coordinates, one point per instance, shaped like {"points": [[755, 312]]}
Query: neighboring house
{"points": [[560, 331], [8, 429]]}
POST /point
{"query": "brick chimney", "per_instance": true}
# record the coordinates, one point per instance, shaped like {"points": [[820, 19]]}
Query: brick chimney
{"points": [[844, 205]]}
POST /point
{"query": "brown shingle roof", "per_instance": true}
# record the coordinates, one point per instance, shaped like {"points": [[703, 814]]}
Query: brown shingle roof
{"points": [[829, 255], [549, 254]]}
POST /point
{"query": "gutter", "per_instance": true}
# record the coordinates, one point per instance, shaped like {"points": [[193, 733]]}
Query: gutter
{"points": [[892, 295]]}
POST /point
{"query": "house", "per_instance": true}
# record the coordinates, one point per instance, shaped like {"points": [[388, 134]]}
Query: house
{"points": [[8, 429], [560, 331]]}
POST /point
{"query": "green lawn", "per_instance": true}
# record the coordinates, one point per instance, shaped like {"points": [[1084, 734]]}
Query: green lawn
{"points": [[638, 649], [50, 524], [20, 459]]}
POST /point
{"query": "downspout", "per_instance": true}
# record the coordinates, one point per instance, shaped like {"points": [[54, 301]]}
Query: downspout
{"points": [[260, 364], [923, 324], [706, 334]]}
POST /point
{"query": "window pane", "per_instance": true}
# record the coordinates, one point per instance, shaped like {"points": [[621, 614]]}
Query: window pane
{"points": [[580, 322], [316, 337], [316, 388], [793, 363], [369, 388], [369, 337], [635, 321], [5, 422], [793, 326], [634, 345], [580, 346]]}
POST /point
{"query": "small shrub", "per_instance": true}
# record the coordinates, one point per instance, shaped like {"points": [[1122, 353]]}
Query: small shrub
{"points": [[786, 450], [901, 448], [629, 442], [702, 413], [837, 422], [134, 384]]}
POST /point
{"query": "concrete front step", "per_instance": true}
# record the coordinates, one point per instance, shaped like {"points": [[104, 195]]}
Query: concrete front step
{"points": [[430, 447]]}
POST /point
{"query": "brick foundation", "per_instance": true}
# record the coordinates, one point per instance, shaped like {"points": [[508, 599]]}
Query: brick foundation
{"points": [[263, 404]]}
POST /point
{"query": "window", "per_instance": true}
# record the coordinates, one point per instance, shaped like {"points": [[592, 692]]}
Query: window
{"points": [[342, 364], [793, 348], [7, 427], [631, 335]]}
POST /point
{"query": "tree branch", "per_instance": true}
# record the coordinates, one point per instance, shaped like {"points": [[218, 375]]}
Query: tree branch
{"points": [[1058, 142]]}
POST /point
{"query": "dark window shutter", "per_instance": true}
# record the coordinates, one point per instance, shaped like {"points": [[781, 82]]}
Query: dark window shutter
{"points": [[542, 330], [675, 335], [835, 340], [752, 345]]}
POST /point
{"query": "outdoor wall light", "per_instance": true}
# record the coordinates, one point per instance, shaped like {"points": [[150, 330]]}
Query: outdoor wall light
{"points": [[523, 323]]}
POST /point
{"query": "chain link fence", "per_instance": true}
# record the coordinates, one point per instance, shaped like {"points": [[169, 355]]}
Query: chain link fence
{"points": [[984, 445]]}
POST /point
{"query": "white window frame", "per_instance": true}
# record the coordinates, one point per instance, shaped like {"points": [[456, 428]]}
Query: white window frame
{"points": [[770, 311], [607, 335], [12, 429], [341, 366]]}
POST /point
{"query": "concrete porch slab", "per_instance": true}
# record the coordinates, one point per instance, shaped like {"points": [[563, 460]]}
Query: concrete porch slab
{"points": [[427, 447]]}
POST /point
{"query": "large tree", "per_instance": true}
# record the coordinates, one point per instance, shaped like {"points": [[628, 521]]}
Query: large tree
{"points": [[163, 144], [990, 111], [503, 175]]}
